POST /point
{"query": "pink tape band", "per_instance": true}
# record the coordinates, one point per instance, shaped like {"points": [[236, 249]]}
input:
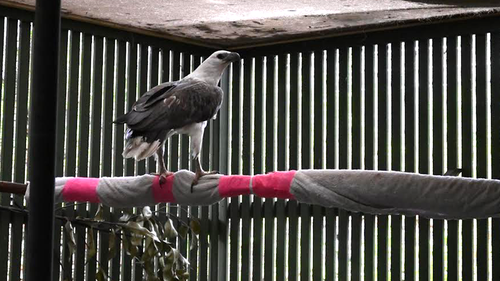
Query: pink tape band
{"points": [[81, 190], [276, 184], [163, 193], [230, 186]]}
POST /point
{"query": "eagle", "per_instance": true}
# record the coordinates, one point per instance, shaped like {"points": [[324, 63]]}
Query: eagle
{"points": [[179, 107]]}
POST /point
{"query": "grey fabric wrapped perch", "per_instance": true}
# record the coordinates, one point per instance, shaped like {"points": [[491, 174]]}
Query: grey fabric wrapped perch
{"points": [[373, 192]]}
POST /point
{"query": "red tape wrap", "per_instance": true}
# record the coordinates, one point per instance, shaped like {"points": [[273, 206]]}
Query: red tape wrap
{"points": [[230, 186], [276, 184], [162, 193], [81, 190]]}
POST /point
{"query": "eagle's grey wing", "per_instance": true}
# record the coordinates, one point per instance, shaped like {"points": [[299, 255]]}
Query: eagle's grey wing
{"points": [[181, 104]]}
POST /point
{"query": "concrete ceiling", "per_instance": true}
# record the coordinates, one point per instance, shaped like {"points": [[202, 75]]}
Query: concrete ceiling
{"points": [[241, 23]]}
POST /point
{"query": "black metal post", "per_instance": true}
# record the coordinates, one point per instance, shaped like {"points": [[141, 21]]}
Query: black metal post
{"points": [[42, 140]]}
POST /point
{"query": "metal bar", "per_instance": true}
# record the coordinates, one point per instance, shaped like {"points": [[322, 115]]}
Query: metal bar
{"points": [[184, 139], [82, 148], [382, 159], [317, 211], [481, 151], [356, 158], [195, 212], [452, 139], [495, 146], [19, 165], [246, 169], [343, 58], [281, 166], [423, 150], [235, 169], [369, 156], [410, 147], [437, 152], [60, 133], [467, 227], [396, 165], [42, 135], [143, 88], [293, 223], [131, 97], [269, 244]]}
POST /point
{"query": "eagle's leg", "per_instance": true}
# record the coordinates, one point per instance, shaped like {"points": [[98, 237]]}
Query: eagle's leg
{"points": [[162, 170], [199, 172]]}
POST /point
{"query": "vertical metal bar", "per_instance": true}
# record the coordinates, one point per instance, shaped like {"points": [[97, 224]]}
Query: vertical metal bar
{"points": [[131, 97], [437, 151], [235, 169], [143, 88], [193, 252], [396, 221], [410, 147], [106, 155], [467, 226], [292, 205], [356, 158], [184, 139], [343, 257], [383, 221], [269, 246], [369, 232], [318, 164], [305, 209], [42, 135], [481, 150], [423, 150], [82, 149], [246, 169], [281, 166], [452, 140], [17, 220], [60, 130], [71, 136], [495, 146]]}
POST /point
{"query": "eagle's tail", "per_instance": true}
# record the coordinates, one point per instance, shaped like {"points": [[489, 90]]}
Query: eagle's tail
{"points": [[142, 145]]}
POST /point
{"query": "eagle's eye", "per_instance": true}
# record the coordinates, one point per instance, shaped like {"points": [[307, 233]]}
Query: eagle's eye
{"points": [[221, 56]]}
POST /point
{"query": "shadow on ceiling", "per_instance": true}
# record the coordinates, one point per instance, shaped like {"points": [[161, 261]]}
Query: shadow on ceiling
{"points": [[462, 3]]}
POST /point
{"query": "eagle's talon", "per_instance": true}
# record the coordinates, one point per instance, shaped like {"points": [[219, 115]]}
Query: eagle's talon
{"points": [[163, 176], [200, 174]]}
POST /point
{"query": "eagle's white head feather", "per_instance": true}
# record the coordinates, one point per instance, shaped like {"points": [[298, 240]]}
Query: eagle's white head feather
{"points": [[210, 71]]}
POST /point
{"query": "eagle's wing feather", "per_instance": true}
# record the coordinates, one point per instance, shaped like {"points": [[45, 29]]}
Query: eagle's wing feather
{"points": [[173, 106]]}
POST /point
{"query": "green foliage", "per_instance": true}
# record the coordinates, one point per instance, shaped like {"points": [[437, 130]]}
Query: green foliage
{"points": [[143, 237]]}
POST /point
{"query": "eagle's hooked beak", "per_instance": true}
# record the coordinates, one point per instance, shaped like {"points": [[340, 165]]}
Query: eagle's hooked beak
{"points": [[232, 57]]}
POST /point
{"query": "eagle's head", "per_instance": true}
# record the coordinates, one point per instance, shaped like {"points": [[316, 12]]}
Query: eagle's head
{"points": [[212, 68]]}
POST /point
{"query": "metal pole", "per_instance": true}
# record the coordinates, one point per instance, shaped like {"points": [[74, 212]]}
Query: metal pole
{"points": [[42, 140]]}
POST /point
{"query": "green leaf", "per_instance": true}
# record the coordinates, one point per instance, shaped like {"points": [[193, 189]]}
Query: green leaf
{"points": [[193, 242], [91, 247], [125, 217], [71, 235], [112, 245], [138, 229], [130, 249], [99, 214], [170, 231], [195, 226], [183, 230], [101, 275]]}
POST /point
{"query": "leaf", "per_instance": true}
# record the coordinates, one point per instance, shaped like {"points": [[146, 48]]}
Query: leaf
{"points": [[138, 229], [183, 230], [71, 235], [112, 245], [125, 217], [91, 247], [193, 242], [146, 212], [99, 214], [101, 275], [130, 249], [195, 226], [170, 231]]}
